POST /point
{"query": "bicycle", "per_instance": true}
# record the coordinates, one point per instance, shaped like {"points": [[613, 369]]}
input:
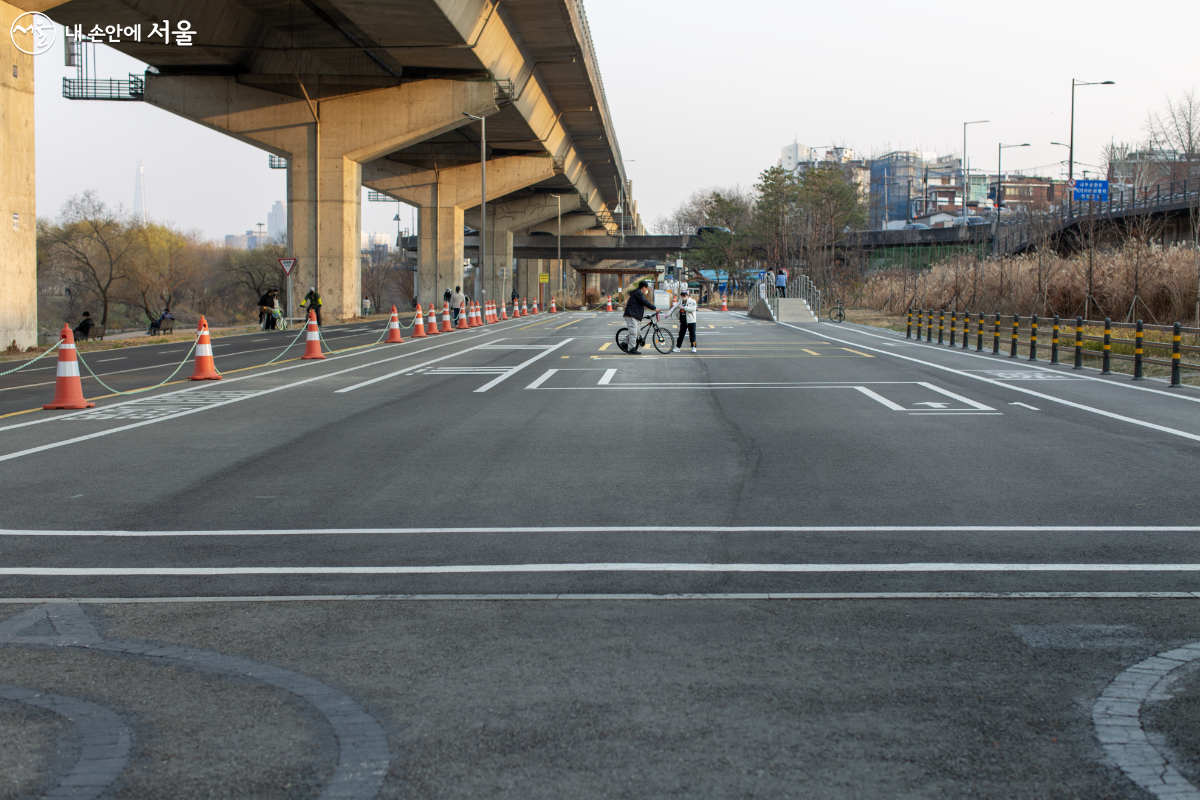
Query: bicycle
{"points": [[838, 312], [662, 340]]}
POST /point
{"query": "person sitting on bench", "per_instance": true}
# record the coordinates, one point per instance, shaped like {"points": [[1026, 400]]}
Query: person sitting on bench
{"points": [[156, 326], [85, 326]]}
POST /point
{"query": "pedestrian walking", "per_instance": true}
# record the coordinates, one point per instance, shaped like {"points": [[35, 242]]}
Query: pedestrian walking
{"points": [[313, 301], [366, 306], [457, 301], [781, 280], [686, 306], [446, 295], [634, 311]]}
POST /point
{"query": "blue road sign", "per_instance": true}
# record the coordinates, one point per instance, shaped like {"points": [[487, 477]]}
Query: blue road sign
{"points": [[1091, 191]]}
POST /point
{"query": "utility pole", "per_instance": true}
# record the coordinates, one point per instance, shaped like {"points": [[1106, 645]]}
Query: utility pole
{"points": [[481, 275]]}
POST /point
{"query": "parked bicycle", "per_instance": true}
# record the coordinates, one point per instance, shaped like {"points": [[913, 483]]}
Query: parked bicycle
{"points": [[652, 331], [838, 312]]}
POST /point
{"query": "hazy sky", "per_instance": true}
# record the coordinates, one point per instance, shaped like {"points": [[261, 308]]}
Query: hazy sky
{"points": [[706, 93]]}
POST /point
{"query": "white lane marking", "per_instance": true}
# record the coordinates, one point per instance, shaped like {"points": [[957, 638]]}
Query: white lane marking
{"points": [[77, 439], [106, 360], [545, 376], [1025, 405], [521, 366], [1116, 716], [954, 396], [1080, 406], [631, 529], [995, 359], [607, 377], [407, 369], [879, 399], [616, 566], [326, 598], [952, 413]]}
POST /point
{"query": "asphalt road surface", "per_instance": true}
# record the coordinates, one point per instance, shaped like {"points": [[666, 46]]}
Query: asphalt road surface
{"points": [[807, 561]]}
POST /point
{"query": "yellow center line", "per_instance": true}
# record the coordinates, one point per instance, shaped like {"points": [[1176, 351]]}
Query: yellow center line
{"points": [[572, 322], [864, 355], [605, 345], [814, 352]]}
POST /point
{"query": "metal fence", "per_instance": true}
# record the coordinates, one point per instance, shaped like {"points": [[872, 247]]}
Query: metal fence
{"points": [[1027, 336], [132, 88]]}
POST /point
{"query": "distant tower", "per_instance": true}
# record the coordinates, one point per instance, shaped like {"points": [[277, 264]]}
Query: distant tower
{"points": [[139, 194], [277, 222]]}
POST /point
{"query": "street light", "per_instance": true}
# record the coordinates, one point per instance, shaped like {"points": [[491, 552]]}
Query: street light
{"points": [[562, 273], [1071, 146], [964, 161], [1000, 175], [483, 198]]}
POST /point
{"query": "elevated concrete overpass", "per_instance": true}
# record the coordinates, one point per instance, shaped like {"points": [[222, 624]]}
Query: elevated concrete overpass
{"points": [[375, 93]]}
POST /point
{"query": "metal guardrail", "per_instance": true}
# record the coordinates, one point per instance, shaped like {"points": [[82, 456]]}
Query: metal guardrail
{"points": [[132, 88], [998, 328]]}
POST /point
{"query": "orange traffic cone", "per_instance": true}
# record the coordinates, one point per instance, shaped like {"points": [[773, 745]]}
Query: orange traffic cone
{"points": [[312, 339], [431, 325], [418, 324], [492, 312], [609, 307], [724, 304], [503, 311], [446, 326], [68, 391], [535, 308], [206, 368], [394, 336], [476, 316], [524, 308], [553, 307]]}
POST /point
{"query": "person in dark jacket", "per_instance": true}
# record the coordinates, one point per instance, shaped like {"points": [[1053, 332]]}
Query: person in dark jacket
{"points": [[85, 326], [634, 305]]}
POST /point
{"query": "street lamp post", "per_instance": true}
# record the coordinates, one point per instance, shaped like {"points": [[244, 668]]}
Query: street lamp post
{"points": [[481, 276], [964, 162], [562, 273], [1000, 174], [1071, 146]]}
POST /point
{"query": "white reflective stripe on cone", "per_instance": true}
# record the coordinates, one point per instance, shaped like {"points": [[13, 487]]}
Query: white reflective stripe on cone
{"points": [[68, 369], [65, 346], [204, 350], [393, 324], [312, 336]]}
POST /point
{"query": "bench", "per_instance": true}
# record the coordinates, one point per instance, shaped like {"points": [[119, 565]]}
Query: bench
{"points": [[162, 326], [97, 332]]}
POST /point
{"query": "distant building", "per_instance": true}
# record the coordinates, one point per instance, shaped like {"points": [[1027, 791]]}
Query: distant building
{"points": [[371, 241], [249, 241], [277, 222], [797, 158], [140, 210]]}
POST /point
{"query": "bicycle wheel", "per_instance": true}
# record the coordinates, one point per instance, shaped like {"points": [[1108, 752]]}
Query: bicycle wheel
{"points": [[662, 342], [837, 314], [624, 339]]}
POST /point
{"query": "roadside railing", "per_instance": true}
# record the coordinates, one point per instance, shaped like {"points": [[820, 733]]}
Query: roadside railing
{"points": [[802, 288], [1027, 336]]}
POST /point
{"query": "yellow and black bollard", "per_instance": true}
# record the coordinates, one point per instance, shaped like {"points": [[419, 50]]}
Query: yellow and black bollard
{"points": [[953, 324], [908, 330], [979, 330], [929, 327], [1054, 342], [966, 330], [996, 337], [1137, 352], [1104, 370], [1033, 338], [1016, 325], [1078, 343], [942, 326], [1175, 384]]}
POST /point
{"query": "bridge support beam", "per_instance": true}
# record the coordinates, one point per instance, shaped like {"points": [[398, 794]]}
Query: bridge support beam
{"points": [[326, 145], [442, 197], [18, 237]]}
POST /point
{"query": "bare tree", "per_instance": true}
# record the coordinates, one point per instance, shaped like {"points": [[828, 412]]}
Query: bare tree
{"points": [[1177, 131], [92, 243]]}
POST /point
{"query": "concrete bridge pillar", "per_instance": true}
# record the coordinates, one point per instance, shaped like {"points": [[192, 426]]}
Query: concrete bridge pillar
{"points": [[18, 237], [326, 143], [442, 196]]}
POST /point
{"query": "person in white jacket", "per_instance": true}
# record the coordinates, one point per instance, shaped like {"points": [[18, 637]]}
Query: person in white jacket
{"points": [[686, 307]]}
